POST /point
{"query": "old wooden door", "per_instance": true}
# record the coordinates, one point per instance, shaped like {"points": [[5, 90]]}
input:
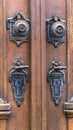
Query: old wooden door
{"points": [[44, 102]]}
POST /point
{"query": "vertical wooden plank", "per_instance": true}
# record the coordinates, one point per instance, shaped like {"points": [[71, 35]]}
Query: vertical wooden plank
{"points": [[2, 57], [4, 51], [1, 44], [20, 117], [38, 64], [56, 116], [70, 46], [35, 66], [70, 55], [43, 65]]}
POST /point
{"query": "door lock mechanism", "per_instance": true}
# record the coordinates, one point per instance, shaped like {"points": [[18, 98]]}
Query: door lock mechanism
{"points": [[56, 30], [56, 77], [19, 28], [18, 78]]}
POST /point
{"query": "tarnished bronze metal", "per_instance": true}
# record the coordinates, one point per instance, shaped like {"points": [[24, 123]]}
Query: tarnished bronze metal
{"points": [[19, 28], [56, 30], [56, 77], [18, 78]]}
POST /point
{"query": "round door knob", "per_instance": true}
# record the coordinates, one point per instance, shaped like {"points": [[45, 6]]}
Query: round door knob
{"points": [[21, 27], [58, 29]]}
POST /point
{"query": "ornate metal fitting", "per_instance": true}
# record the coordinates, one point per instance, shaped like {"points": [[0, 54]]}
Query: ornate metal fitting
{"points": [[19, 28], [56, 30], [56, 77], [18, 78]]}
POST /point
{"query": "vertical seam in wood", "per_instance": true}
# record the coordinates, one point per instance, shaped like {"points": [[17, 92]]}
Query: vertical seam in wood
{"points": [[43, 66], [4, 49], [33, 67], [36, 58]]}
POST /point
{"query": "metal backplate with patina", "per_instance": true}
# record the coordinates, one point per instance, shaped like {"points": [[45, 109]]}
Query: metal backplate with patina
{"points": [[56, 77], [56, 30], [18, 78], [19, 28]]}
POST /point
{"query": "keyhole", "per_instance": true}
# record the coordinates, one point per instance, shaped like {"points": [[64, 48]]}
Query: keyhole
{"points": [[21, 28], [59, 29]]}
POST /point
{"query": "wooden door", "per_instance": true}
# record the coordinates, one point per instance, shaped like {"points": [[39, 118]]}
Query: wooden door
{"points": [[38, 110], [20, 117]]}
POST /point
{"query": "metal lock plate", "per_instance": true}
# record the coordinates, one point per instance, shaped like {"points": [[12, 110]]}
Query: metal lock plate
{"points": [[56, 77], [56, 30], [18, 78], [19, 28]]}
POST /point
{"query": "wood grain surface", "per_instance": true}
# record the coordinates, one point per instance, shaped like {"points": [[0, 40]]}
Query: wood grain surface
{"points": [[70, 55], [56, 116], [37, 111]]}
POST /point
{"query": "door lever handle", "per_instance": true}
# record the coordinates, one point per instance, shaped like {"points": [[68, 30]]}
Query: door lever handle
{"points": [[56, 78], [18, 78]]}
